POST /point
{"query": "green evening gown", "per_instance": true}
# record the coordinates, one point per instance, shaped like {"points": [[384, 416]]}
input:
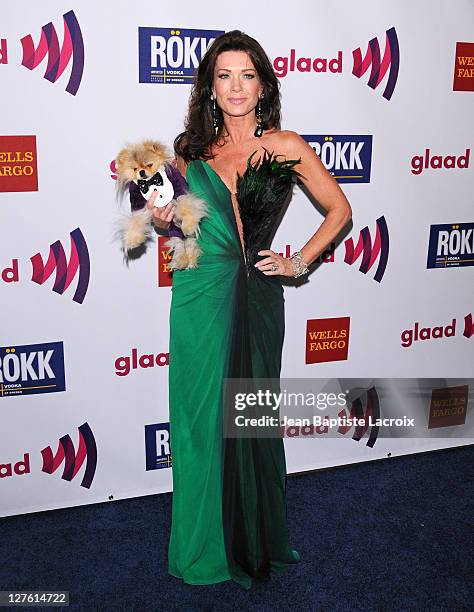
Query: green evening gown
{"points": [[227, 320]]}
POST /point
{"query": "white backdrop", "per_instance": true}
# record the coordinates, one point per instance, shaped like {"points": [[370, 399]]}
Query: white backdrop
{"points": [[124, 308]]}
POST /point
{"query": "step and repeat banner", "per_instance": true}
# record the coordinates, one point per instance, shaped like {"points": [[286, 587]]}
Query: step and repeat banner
{"points": [[383, 92]]}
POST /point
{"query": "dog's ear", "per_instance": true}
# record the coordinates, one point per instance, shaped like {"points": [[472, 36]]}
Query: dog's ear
{"points": [[123, 158], [155, 147]]}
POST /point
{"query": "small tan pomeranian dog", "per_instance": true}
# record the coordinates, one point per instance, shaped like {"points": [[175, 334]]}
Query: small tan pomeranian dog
{"points": [[145, 168]]}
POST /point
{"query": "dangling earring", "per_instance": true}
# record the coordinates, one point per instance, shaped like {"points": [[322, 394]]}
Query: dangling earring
{"points": [[214, 115], [259, 129]]}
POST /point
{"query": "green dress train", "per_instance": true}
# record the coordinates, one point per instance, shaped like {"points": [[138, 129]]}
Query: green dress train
{"points": [[227, 321]]}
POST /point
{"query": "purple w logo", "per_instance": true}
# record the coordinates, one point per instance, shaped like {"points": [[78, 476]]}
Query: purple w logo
{"points": [[370, 252], [58, 59], [66, 453], [391, 58], [65, 270]]}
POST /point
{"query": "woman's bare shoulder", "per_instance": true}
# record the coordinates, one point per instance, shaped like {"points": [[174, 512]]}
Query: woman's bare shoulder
{"points": [[287, 142]]}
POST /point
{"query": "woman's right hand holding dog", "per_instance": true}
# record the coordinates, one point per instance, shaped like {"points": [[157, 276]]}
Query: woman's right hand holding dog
{"points": [[163, 216]]}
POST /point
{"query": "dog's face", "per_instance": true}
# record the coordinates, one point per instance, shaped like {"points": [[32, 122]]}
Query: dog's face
{"points": [[140, 161]]}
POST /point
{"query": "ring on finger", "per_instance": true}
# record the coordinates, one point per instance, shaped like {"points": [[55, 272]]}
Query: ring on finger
{"points": [[274, 267]]}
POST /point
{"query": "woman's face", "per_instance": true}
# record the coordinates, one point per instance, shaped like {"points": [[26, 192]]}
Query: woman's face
{"points": [[236, 84]]}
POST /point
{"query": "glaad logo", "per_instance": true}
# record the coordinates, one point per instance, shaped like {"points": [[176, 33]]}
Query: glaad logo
{"points": [[32, 368], [391, 59], [58, 58], [171, 56], [368, 251], [157, 446], [123, 365], [409, 336], [3, 51], [87, 451], [65, 271], [367, 410], [420, 162], [283, 65], [451, 245], [468, 326], [347, 158]]}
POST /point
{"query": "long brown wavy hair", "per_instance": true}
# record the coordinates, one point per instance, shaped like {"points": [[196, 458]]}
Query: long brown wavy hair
{"points": [[199, 134]]}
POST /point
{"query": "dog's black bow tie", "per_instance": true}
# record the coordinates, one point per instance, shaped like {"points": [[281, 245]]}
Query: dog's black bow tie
{"points": [[145, 184]]}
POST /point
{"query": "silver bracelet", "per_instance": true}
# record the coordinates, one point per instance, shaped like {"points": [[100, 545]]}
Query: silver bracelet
{"points": [[299, 265]]}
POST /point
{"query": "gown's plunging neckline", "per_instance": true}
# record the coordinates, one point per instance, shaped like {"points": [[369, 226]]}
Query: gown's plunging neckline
{"points": [[224, 184], [219, 177]]}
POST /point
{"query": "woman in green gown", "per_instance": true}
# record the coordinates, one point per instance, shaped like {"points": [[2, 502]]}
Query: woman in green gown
{"points": [[227, 315]]}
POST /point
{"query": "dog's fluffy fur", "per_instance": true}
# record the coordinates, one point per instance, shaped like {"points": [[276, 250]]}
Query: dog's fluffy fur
{"points": [[148, 156], [135, 161]]}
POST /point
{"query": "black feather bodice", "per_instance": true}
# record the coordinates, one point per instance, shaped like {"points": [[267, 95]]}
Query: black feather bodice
{"points": [[261, 194]]}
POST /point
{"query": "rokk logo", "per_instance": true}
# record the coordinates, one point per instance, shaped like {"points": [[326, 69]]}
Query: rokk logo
{"points": [[448, 406], [379, 67], [451, 245], [370, 253], [171, 55], [65, 271], [327, 339], [87, 451], [32, 368], [58, 58], [347, 158], [157, 446], [464, 67], [18, 168]]}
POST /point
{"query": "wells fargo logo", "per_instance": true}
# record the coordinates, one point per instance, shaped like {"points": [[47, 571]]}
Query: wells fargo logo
{"points": [[327, 339], [18, 167], [165, 274], [448, 406], [65, 270], [71, 50], [464, 67], [370, 252]]}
